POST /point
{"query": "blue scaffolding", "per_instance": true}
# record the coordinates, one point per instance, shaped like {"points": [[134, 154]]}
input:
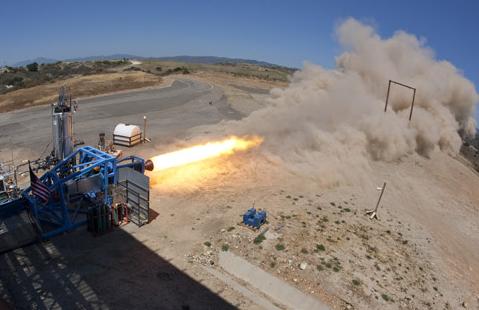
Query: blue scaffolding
{"points": [[63, 212]]}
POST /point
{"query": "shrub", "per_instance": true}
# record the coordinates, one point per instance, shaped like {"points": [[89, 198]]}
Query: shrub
{"points": [[260, 238], [15, 81], [279, 247], [33, 67]]}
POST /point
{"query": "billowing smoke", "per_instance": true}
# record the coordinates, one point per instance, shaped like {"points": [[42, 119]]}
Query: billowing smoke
{"points": [[329, 124]]}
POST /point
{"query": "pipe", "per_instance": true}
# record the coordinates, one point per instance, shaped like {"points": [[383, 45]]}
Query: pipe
{"points": [[144, 129]]}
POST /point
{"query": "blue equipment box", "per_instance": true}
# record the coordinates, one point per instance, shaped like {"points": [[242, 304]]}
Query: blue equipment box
{"points": [[254, 218]]}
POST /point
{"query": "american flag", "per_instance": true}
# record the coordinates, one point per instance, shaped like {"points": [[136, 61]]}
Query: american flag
{"points": [[39, 189]]}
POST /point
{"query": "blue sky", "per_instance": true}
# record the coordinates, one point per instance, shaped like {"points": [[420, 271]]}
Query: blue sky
{"points": [[282, 32]]}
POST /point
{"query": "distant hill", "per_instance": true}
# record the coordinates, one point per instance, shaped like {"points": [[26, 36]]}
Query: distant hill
{"points": [[39, 60], [184, 58], [212, 60], [104, 57], [51, 70]]}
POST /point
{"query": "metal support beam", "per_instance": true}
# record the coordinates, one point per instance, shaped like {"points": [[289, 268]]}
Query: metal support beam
{"points": [[403, 85], [374, 213], [57, 215]]}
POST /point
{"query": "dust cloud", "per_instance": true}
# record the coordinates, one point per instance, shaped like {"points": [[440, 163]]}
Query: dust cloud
{"points": [[329, 124]]}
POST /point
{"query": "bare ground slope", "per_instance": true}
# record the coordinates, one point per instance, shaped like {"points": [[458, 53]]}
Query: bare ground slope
{"points": [[421, 253], [81, 86]]}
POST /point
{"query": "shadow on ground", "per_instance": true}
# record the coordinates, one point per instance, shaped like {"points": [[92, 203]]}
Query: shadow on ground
{"points": [[113, 271]]}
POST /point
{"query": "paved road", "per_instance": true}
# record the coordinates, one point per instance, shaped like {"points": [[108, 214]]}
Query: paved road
{"points": [[171, 112]]}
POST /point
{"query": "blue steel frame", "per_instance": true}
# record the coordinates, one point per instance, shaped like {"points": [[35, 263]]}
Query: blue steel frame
{"points": [[56, 212], [133, 162]]}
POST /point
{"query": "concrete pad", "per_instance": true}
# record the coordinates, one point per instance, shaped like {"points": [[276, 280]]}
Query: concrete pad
{"points": [[273, 287], [255, 298]]}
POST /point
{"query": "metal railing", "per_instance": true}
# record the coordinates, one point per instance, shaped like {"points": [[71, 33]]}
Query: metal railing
{"points": [[127, 140], [138, 200]]}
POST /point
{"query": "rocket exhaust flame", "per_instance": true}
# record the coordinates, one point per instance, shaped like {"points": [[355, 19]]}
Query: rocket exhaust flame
{"points": [[201, 152]]}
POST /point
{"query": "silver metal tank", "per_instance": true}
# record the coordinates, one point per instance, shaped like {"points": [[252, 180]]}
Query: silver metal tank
{"points": [[62, 126]]}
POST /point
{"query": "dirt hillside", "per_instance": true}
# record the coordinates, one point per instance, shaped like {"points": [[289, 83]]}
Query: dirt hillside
{"points": [[421, 254], [82, 86]]}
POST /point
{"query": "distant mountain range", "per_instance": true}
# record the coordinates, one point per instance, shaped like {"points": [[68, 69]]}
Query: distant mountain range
{"points": [[186, 59], [39, 60]]}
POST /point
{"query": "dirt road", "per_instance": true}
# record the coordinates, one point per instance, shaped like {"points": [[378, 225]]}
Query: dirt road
{"points": [[171, 111]]}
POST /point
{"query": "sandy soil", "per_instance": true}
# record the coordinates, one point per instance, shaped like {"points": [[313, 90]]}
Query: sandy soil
{"points": [[421, 253]]}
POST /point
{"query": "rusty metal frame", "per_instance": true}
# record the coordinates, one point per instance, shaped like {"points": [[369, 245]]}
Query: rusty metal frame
{"points": [[403, 85]]}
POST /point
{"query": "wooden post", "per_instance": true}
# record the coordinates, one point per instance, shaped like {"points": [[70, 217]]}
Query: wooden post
{"points": [[374, 213], [403, 85], [387, 96], [412, 105]]}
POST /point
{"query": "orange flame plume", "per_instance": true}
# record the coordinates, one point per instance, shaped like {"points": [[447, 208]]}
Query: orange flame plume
{"points": [[204, 151]]}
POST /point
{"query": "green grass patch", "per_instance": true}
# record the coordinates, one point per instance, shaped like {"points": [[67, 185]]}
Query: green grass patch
{"points": [[279, 247], [385, 297], [259, 239]]}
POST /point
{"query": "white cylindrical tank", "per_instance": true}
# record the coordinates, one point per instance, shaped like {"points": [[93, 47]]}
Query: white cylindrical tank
{"points": [[126, 135]]}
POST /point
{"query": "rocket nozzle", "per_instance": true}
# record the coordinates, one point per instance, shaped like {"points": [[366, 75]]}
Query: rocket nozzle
{"points": [[149, 165]]}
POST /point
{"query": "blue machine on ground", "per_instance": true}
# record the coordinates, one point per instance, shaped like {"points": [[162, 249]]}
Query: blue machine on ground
{"points": [[80, 180], [254, 218]]}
